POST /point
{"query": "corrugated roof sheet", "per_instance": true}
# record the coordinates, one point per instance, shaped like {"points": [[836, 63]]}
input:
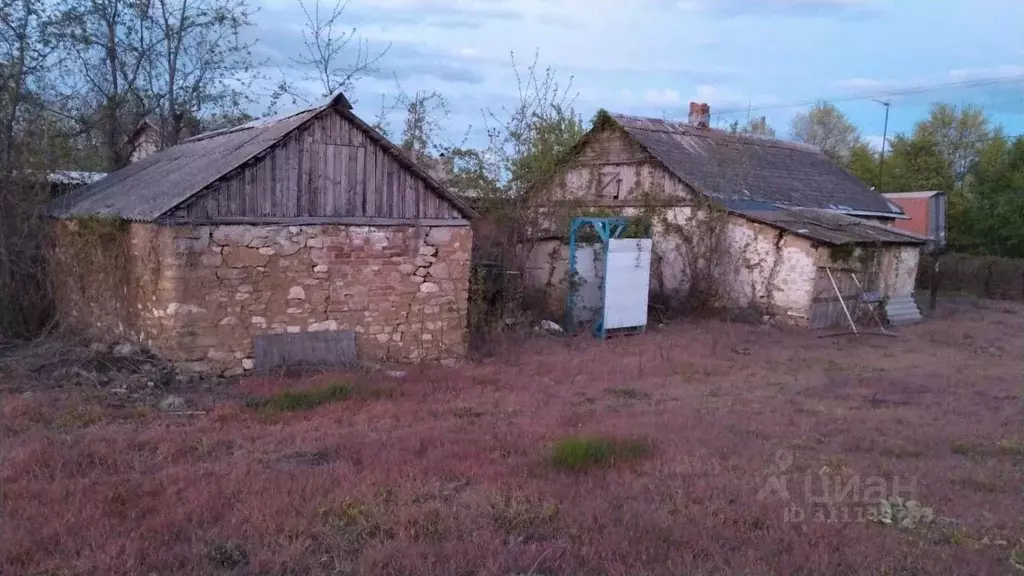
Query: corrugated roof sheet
{"points": [[147, 189], [736, 167], [826, 226], [921, 194]]}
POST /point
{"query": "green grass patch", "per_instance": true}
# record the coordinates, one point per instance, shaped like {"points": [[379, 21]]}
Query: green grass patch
{"points": [[965, 448], [582, 453], [627, 393], [300, 400], [1011, 447]]}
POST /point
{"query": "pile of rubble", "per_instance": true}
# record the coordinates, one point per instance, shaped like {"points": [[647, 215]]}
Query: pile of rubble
{"points": [[126, 371]]}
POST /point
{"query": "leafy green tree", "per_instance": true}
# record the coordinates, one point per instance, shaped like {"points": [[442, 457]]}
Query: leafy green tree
{"points": [[987, 216], [826, 127], [916, 164], [863, 163], [959, 133]]}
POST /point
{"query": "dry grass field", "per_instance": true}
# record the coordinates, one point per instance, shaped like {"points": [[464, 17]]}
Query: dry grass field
{"points": [[656, 454]]}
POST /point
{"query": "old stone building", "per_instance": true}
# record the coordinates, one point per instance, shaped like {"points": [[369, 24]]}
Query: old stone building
{"points": [[304, 224], [756, 221]]}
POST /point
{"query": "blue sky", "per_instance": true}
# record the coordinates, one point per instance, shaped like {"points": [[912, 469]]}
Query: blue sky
{"points": [[652, 57]]}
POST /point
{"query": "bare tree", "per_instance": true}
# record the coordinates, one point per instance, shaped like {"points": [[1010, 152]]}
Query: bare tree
{"points": [[202, 65], [172, 61], [959, 132], [111, 49], [826, 127], [27, 43], [28, 39], [425, 113], [756, 126], [333, 58]]}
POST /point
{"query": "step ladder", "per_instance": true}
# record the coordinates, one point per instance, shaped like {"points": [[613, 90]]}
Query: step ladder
{"points": [[873, 300]]}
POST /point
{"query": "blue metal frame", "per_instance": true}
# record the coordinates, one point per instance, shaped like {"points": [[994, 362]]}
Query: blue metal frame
{"points": [[607, 229]]}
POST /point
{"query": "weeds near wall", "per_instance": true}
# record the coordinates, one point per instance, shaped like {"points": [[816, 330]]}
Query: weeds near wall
{"points": [[27, 308], [525, 146]]}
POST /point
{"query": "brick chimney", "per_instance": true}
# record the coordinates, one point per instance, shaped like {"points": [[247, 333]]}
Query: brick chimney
{"points": [[700, 115]]}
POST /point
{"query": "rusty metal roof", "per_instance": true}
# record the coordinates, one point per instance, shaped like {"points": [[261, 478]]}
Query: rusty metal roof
{"points": [[147, 189], [740, 167], [828, 227]]}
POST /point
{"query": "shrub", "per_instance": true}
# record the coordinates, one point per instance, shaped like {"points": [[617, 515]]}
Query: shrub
{"points": [[300, 400], [230, 554], [582, 453]]}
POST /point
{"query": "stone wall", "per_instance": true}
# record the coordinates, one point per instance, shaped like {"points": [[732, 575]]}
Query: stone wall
{"points": [[402, 290], [198, 295], [753, 265]]}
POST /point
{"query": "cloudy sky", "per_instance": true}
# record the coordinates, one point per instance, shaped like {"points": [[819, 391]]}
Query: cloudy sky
{"points": [[652, 57]]}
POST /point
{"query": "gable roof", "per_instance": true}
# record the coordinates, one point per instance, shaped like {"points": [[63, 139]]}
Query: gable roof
{"points": [[740, 167], [148, 189]]}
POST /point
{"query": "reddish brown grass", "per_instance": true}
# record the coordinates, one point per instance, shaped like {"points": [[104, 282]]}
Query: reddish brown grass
{"points": [[449, 471]]}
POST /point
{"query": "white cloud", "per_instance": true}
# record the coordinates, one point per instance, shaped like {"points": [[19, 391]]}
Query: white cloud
{"points": [[875, 142], [720, 96], [967, 74], [664, 97], [863, 84], [790, 7]]}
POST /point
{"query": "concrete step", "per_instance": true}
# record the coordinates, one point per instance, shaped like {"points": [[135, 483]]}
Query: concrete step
{"points": [[902, 310]]}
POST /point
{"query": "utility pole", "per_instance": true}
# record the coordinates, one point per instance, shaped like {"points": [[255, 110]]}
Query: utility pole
{"points": [[885, 135]]}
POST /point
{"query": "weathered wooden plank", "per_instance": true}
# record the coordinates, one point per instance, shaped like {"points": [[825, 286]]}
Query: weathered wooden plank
{"points": [[268, 186], [384, 208], [360, 190], [294, 148], [253, 191], [340, 189], [327, 181], [391, 185], [278, 158], [351, 177], [356, 136], [231, 190], [370, 191], [247, 203], [409, 197], [432, 206], [302, 178], [315, 220], [315, 175], [341, 129], [219, 200]]}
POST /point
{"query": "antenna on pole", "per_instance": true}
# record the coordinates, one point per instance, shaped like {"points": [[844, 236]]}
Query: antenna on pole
{"points": [[885, 135]]}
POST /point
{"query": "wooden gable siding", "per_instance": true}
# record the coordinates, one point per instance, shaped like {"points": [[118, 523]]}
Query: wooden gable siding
{"points": [[612, 169], [611, 146], [327, 168]]}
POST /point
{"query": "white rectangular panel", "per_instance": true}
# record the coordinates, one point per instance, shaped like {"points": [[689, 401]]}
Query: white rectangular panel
{"points": [[627, 283]]}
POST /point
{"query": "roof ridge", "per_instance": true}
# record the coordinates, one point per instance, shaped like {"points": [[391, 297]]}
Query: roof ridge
{"points": [[715, 133]]}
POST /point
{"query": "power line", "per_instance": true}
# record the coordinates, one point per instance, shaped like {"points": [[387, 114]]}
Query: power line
{"points": [[899, 92]]}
